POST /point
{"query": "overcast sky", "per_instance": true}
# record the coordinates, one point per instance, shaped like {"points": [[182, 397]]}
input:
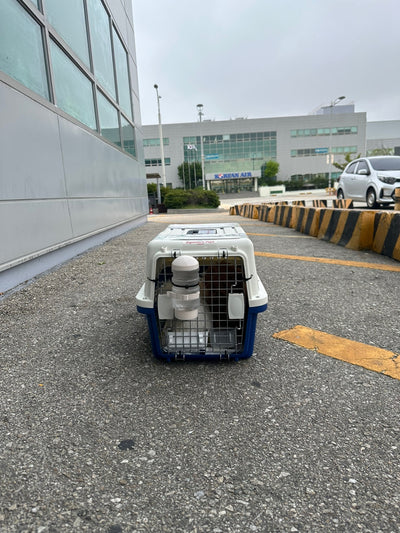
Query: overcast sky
{"points": [[266, 58]]}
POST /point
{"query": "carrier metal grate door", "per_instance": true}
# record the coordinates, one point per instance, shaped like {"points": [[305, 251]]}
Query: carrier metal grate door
{"points": [[220, 325]]}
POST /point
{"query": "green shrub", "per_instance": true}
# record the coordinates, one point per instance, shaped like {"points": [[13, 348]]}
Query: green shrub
{"points": [[212, 198], [175, 199], [178, 198]]}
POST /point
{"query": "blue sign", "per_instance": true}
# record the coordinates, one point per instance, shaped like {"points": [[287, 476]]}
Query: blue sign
{"points": [[321, 150], [211, 156]]}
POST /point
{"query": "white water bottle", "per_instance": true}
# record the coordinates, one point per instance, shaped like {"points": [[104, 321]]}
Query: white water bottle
{"points": [[185, 287]]}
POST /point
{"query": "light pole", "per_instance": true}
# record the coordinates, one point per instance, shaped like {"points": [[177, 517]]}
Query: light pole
{"points": [[330, 155], [164, 182], [200, 110]]}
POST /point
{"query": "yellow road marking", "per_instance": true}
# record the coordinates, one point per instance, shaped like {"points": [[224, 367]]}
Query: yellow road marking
{"points": [[281, 236], [356, 353], [357, 264]]}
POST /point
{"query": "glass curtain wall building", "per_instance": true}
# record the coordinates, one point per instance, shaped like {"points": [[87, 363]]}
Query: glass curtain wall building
{"points": [[70, 105], [235, 151]]}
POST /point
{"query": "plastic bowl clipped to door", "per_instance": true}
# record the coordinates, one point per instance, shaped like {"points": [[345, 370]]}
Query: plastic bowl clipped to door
{"points": [[202, 294]]}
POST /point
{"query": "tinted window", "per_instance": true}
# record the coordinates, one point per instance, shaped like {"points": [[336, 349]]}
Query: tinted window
{"points": [[351, 168], [21, 48], [121, 67], [385, 163], [362, 165], [73, 90], [108, 116], [101, 45], [68, 18], [128, 135]]}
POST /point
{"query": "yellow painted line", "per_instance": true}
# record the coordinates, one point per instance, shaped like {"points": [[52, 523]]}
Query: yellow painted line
{"points": [[356, 264], [280, 236], [369, 357]]}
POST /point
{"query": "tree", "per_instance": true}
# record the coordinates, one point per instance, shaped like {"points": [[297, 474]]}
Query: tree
{"points": [[190, 174], [269, 172], [381, 151], [347, 159]]}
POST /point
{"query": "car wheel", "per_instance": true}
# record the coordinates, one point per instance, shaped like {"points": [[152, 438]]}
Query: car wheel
{"points": [[340, 195], [371, 199]]}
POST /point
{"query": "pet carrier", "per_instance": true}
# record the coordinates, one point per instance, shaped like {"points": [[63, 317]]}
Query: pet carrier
{"points": [[202, 293]]}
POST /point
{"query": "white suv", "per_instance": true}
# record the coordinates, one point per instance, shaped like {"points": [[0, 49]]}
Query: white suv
{"points": [[370, 179]]}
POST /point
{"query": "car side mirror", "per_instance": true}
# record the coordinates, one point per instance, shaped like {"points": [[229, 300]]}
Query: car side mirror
{"points": [[364, 172]]}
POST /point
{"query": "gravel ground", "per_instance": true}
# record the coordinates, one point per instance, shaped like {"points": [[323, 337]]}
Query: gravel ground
{"points": [[98, 436]]}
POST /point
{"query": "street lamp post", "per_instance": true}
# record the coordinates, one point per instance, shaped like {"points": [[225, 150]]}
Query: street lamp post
{"points": [[330, 155], [200, 110], [164, 182]]}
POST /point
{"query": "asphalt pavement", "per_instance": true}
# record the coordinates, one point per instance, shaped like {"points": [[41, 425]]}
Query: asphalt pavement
{"points": [[98, 436]]}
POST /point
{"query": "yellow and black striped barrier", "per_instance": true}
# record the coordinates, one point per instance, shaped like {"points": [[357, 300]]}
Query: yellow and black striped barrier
{"points": [[352, 229], [387, 234], [342, 204], [263, 212], [397, 199], [283, 215], [319, 203], [306, 220], [299, 202], [245, 210], [234, 210]]}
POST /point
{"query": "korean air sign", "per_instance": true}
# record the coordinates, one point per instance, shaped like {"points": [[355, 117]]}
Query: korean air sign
{"points": [[233, 175]]}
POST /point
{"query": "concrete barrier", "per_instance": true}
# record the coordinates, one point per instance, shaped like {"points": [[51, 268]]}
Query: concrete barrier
{"points": [[355, 229], [282, 215], [342, 204], [319, 203], [387, 234], [263, 212], [397, 199], [234, 210], [306, 220], [352, 229], [245, 210], [311, 221], [271, 214]]}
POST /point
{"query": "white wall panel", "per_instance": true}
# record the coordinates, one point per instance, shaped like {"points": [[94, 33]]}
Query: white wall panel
{"points": [[90, 214], [95, 168], [32, 226], [30, 162]]}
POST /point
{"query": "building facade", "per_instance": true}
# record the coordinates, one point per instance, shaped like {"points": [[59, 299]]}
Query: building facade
{"points": [[383, 136], [72, 168], [235, 150]]}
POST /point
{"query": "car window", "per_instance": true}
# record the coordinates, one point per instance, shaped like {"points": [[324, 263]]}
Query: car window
{"points": [[385, 163], [362, 165], [351, 169]]}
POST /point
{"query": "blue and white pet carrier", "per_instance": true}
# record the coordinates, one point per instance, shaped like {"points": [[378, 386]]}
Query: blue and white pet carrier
{"points": [[202, 293]]}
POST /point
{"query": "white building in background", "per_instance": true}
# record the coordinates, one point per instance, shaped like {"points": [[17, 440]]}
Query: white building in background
{"points": [[235, 150], [384, 135], [72, 166]]}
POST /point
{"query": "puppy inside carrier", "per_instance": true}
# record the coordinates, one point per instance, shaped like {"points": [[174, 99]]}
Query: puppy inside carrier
{"points": [[202, 293]]}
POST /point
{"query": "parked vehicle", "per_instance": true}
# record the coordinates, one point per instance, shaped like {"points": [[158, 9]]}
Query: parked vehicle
{"points": [[370, 179]]}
